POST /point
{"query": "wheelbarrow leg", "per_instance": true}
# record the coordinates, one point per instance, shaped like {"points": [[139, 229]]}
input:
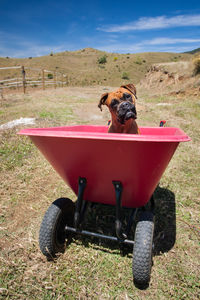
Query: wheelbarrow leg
{"points": [[80, 203], [131, 220], [118, 223], [150, 206], [152, 200]]}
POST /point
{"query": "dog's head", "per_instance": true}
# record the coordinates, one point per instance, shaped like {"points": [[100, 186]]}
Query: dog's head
{"points": [[121, 103]]}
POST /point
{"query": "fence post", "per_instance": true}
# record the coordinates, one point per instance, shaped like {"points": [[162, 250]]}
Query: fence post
{"points": [[54, 77], [2, 93], [62, 79], [43, 80], [17, 84], [24, 79]]}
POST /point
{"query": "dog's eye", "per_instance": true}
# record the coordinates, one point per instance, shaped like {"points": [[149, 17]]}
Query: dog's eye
{"points": [[127, 96], [114, 102]]}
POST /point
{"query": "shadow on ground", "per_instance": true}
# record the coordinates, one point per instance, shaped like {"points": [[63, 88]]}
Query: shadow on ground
{"points": [[101, 219]]}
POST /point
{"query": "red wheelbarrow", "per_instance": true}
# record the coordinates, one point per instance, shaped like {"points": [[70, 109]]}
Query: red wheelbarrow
{"points": [[114, 169]]}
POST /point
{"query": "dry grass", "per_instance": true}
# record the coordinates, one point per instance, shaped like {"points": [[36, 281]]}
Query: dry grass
{"points": [[172, 78], [91, 269], [82, 67]]}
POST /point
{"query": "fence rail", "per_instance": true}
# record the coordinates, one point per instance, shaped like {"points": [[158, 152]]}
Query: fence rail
{"points": [[8, 68], [42, 79]]}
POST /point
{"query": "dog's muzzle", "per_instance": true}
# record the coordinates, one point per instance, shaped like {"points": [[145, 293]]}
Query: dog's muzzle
{"points": [[126, 110]]}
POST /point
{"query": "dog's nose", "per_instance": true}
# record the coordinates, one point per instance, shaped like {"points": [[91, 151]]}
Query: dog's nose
{"points": [[126, 105]]}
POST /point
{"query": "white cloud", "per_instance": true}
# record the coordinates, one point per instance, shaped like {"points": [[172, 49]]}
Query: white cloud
{"points": [[167, 41], [159, 22], [155, 44]]}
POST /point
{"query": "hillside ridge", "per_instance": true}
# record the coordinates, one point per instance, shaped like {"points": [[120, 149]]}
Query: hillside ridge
{"points": [[83, 67]]}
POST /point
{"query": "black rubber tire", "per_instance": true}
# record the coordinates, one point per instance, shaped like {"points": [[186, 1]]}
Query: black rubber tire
{"points": [[142, 250], [52, 230]]}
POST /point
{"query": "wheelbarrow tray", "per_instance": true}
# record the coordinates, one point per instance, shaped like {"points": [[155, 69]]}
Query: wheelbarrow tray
{"points": [[88, 151]]}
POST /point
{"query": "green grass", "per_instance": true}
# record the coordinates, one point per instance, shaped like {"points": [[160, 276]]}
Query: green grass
{"points": [[12, 152], [45, 114], [59, 115], [90, 268]]}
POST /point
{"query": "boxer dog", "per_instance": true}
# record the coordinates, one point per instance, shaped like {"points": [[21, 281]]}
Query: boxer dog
{"points": [[121, 104]]}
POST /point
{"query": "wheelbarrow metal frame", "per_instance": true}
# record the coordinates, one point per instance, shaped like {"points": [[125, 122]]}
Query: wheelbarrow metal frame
{"points": [[81, 206]]}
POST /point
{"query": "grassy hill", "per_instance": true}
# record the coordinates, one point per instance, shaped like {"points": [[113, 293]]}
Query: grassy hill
{"points": [[193, 51], [82, 67]]}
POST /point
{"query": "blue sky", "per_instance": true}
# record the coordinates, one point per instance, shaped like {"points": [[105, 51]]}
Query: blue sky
{"points": [[35, 28]]}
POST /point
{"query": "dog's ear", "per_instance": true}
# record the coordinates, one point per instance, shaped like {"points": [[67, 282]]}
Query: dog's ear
{"points": [[103, 100], [131, 88]]}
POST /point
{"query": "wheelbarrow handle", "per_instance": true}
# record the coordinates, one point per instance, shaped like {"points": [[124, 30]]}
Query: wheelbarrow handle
{"points": [[162, 123]]}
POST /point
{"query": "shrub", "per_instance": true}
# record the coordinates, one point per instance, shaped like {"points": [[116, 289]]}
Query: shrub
{"points": [[196, 63], [138, 61], [175, 58], [102, 59], [115, 58], [50, 76], [125, 75]]}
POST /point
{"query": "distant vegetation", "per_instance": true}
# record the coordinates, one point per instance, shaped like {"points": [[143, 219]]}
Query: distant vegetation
{"points": [[125, 75], [102, 59], [193, 51], [138, 61], [50, 76], [196, 62]]}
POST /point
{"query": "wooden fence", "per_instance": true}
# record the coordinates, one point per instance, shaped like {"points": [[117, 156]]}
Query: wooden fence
{"points": [[43, 78]]}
